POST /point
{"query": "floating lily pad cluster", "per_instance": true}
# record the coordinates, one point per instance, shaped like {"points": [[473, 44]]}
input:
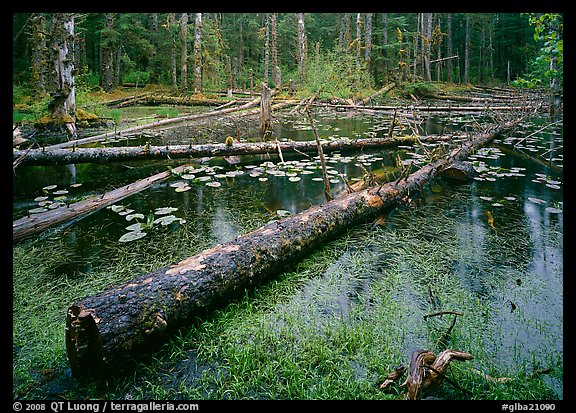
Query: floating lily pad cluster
{"points": [[160, 217], [546, 144], [53, 198], [292, 170], [491, 173]]}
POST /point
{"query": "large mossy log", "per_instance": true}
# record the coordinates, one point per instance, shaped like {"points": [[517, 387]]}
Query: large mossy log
{"points": [[107, 331]]}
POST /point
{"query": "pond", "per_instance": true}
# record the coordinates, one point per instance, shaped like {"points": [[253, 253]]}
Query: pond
{"points": [[491, 248]]}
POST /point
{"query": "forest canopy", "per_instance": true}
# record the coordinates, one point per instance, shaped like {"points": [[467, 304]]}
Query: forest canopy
{"points": [[195, 52]]}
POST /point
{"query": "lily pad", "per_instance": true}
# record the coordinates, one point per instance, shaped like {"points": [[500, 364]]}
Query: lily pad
{"points": [[40, 198], [37, 210], [294, 178], [139, 226], [553, 210], [130, 217], [536, 200], [182, 188], [165, 220], [164, 210], [117, 208], [214, 184], [283, 213], [49, 187], [132, 236]]}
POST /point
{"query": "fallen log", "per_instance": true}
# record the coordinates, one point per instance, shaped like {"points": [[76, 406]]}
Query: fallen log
{"points": [[36, 223], [97, 138], [429, 108], [57, 156], [106, 332]]}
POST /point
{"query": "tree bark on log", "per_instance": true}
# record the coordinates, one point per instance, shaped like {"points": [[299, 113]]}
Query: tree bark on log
{"points": [[40, 222], [107, 331], [130, 153]]}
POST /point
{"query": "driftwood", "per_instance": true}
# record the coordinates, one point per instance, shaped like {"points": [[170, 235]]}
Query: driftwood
{"points": [[426, 370], [128, 153], [106, 331], [40, 222]]}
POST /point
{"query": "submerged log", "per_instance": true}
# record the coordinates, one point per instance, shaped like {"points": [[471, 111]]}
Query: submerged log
{"points": [[42, 221], [107, 331], [129, 153]]}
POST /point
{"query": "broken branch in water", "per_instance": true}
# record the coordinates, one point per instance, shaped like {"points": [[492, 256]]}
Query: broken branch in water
{"points": [[427, 370]]}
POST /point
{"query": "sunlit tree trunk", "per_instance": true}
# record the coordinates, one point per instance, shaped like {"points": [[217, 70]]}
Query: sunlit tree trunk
{"points": [[358, 40], [184, 54], [61, 87], [368, 41], [198, 53], [301, 49]]}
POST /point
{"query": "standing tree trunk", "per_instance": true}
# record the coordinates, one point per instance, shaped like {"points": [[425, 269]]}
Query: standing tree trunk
{"points": [[39, 52], [368, 42], [184, 54], [229, 77], [467, 47], [385, 45], [266, 47], [276, 74], [153, 62], [449, 45], [265, 111], [427, 43], [198, 53], [107, 46], [62, 90], [170, 23], [301, 51], [358, 41]]}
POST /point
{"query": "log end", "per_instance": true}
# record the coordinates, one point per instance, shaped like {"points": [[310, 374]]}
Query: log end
{"points": [[459, 171], [84, 344]]}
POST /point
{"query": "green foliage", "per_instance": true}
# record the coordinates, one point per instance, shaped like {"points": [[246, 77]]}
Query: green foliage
{"points": [[332, 73], [421, 89], [548, 64], [137, 76]]}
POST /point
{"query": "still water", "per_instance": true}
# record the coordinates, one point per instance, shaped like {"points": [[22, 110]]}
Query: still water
{"points": [[507, 223]]}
